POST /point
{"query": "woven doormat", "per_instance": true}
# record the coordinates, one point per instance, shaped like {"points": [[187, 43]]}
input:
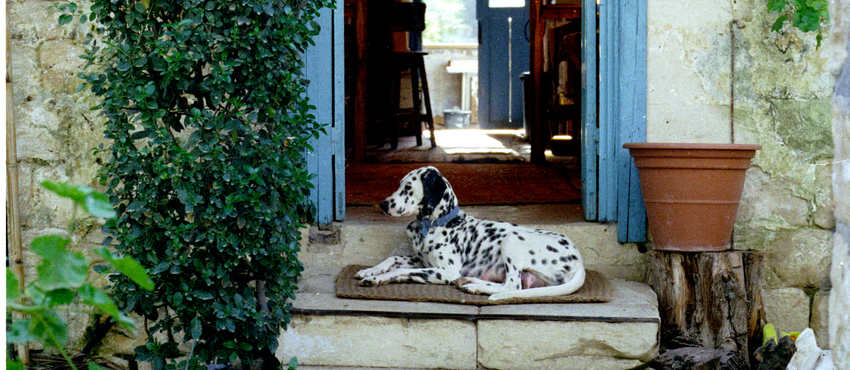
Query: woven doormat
{"points": [[596, 288]]}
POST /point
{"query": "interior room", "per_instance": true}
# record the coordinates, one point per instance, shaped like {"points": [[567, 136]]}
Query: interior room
{"points": [[486, 90]]}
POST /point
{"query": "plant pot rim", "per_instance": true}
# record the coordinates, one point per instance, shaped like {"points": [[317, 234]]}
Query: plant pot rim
{"points": [[691, 146]]}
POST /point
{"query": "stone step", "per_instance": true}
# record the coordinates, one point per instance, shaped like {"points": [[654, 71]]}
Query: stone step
{"points": [[327, 332], [331, 332]]}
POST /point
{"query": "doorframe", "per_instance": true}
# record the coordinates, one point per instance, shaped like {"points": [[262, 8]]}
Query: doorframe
{"points": [[620, 89]]}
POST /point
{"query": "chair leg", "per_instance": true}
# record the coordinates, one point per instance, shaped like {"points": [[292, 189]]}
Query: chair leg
{"points": [[395, 103], [429, 116], [415, 75]]}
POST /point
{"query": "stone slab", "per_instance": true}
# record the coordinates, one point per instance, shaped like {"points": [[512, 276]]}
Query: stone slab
{"points": [[535, 344], [336, 340]]}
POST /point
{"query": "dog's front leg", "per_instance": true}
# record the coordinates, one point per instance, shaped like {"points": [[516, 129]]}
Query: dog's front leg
{"points": [[389, 264], [430, 275]]}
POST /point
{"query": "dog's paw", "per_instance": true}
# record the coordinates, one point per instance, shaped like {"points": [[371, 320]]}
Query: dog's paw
{"points": [[365, 273], [476, 288], [468, 280], [370, 281]]}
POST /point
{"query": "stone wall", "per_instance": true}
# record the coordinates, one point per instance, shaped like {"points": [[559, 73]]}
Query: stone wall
{"points": [[56, 131], [777, 95], [839, 302]]}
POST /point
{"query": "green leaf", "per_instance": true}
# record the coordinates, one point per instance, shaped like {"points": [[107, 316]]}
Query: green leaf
{"points": [[94, 366], [777, 25], [13, 365], [60, 297], [293, 363], [49, 329], [197, 329], [776, 5], [13, 292], [19, 332], [92, 201], [65, 19], [59, 269], [129, 267]]}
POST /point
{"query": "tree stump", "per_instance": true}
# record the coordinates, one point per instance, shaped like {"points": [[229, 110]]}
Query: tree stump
{"points": [[709, 299]]}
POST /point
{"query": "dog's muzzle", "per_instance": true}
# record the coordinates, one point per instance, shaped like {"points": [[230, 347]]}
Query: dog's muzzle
{"points": [[385, 206]]}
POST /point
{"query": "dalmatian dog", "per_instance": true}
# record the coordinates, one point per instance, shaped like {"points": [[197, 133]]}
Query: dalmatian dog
{"points": [[481, 257]]}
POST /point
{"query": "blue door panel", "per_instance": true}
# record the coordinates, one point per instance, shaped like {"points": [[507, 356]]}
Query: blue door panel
{"points": [[502, 58], [622, 116], [589, 99], [324, 69]]}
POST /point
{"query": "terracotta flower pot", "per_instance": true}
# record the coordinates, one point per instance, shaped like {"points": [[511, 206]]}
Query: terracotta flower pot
{"points": [[691, 192]]}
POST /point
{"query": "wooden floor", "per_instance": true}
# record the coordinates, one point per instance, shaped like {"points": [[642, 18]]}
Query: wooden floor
{"points": [[474, 183]]}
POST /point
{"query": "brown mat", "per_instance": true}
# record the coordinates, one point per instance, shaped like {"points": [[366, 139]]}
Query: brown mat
{"points": [[473, 183], [596, 288]]}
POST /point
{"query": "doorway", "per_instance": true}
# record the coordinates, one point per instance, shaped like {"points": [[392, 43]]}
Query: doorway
{"points": [[497, 136]]}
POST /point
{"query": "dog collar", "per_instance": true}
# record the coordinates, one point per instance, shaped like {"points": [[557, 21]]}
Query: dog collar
{"points": [[427, 224]]}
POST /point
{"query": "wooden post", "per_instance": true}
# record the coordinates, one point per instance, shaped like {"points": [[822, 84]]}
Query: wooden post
{"points": [[710, 300]]}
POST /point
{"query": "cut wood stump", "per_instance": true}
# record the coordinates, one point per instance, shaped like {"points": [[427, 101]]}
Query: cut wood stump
{"points": [[709, 299]]}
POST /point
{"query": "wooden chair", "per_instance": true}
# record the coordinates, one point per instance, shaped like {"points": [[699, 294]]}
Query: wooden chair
{"points": [[408, 17]]}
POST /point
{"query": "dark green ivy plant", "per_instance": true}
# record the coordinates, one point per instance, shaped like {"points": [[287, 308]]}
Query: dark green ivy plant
{"points": [[805, 15], [207, 123]]}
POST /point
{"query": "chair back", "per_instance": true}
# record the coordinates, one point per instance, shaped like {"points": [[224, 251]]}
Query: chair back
{"points": [[407, 17]]}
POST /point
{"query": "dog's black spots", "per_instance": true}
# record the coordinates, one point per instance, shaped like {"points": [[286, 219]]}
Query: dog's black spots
{"points": [[559, 279], [520, 237], [445, 233], [533, 261], [441, 257], [543, 261], [438, 276], [564, 242], [451, 262], [531, 252], [567, 268], [508, 260], [551, 249], [430, 272], [563, 258], [572, 257]]}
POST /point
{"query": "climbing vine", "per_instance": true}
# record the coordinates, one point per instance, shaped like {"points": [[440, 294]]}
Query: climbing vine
{"points": [[805, 15]]}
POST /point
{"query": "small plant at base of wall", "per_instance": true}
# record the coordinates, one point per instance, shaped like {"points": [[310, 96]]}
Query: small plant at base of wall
{"points": [[64, 281]]}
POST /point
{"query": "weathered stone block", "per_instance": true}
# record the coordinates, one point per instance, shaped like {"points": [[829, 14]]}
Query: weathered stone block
{"points": [[522, 344], [769, 200], [786, 308], [839, 299], [36, 126], [379, 342], [60, 62], [800, 257], [824, 204], [819, 322]]}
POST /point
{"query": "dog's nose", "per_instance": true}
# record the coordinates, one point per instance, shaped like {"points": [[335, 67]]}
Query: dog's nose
{"points": [[385, 206]]}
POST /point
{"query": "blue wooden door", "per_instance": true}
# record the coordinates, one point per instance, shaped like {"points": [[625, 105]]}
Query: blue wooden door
{"points": [[502, 59], [613, 192], [325, 70]]}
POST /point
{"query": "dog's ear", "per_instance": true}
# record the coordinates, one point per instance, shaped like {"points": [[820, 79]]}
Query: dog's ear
{"points": [[433, 187]]}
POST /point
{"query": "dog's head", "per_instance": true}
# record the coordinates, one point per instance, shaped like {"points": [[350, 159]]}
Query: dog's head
{"points": [[423, 192]]}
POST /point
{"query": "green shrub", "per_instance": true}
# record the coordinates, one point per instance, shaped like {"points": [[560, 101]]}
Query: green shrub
{"points": [[207, 123]]}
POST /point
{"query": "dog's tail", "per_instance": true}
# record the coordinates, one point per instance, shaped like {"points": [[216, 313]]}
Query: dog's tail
{"points": [[575, 282]]}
